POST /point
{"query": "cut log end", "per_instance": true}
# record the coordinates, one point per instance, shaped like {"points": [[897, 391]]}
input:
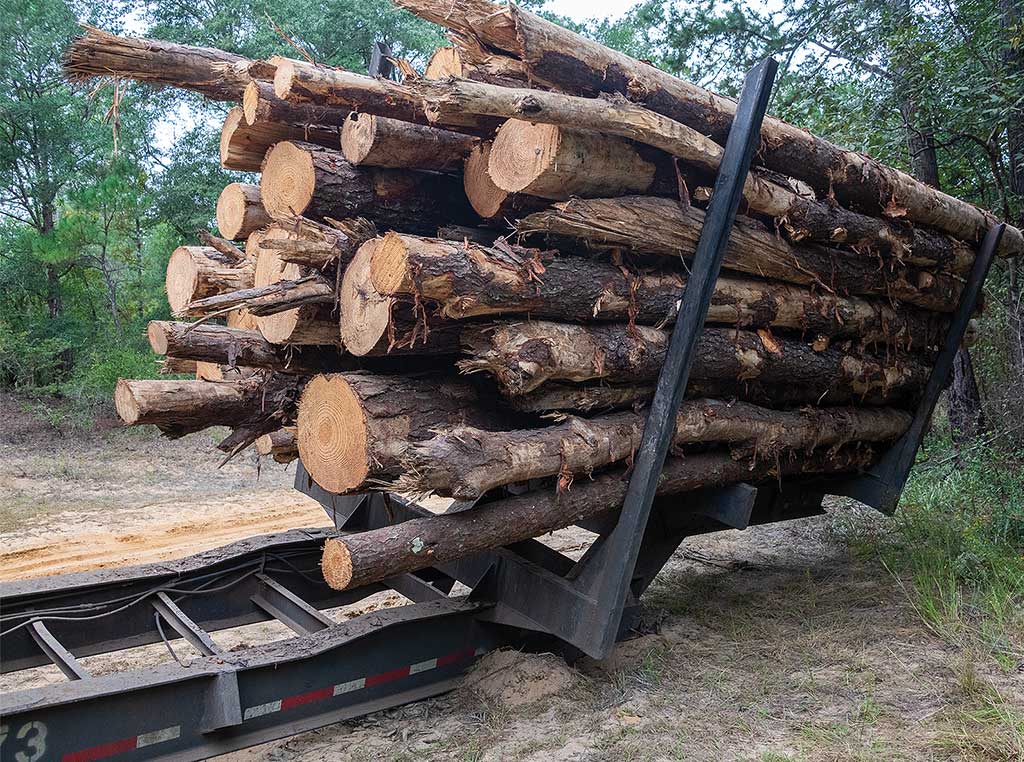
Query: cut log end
{"points": [[280, 327], [283, 77], [288, 181], [389, 265], [486, 198], [125, 403], [240, 211], [182, 280], [337, 564], [366, 313], [231, 123], [156, 332], [445, 62], [332, 434], [358, 136], [250, 102], [522, 153]]}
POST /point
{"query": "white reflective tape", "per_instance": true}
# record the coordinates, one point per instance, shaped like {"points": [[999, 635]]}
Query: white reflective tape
{"points": [[158, 736], [262, 709], [352, 685], [422, 666]]}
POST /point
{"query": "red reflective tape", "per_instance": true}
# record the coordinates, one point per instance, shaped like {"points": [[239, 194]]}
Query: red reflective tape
{"points": [[466, 653], [101, 751], [387, 677], [307, 698]]}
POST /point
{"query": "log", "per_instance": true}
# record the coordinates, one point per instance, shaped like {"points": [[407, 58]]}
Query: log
{"points": [[464, 462], [211, 371], [315, 182], [243, 146], [299, 82], [282, 445], [481, 66], [560, 58], [216, 74], [355, 427], [365, 557], [234, 347], [645, 224], [183, 407], [522, 356], [543, 148], [260, 106], [222, 245], [374, 324], [240, 212], [557, 163], [174, 366], [467, 281], [486, 198], [242, 320], [315, 245], [271, 299], [376, 141], [195, 272], [314, 321]]}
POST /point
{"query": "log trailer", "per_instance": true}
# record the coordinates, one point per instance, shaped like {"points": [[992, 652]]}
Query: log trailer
{"points": [[525, 595]]}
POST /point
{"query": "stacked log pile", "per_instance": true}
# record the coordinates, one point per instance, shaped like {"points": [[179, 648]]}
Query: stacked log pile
{"points": [[467, 280]]}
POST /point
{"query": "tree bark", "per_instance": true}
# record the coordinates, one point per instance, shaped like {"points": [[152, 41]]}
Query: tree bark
{"points": [[662, 226], [234, 347], [312, 181], [261, 106], [465, 462], [216, 74], [240, 212], [244, 146], [486, 198], [563, 59], [196, 272], [522, 356], [282, 445], [302, 241], [360, 559], [467, 281], [355, 427], [374, 324], [376, 141], [177, 366]]}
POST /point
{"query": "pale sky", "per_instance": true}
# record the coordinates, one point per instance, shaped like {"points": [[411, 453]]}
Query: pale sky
{"points": [[582, 10]]}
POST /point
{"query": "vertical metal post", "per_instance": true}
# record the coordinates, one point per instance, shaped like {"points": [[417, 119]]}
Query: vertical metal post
{"points": [[611, 583], [380, 66]]}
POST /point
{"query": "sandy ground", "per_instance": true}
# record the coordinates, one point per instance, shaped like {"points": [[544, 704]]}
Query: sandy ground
{"points": [[775, 643]]}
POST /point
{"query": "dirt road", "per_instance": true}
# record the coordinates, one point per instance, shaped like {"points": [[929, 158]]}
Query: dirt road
{"points": [[772, 644]]}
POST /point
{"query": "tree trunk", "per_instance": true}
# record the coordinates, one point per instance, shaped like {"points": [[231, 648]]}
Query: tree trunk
{"points": [[484, 66], [522, 356], [196, 272], [240, 212], [966, 416], [182, 407], [309, 180], [360, 559], [282, 445], [486, 198], [561, 58], [474, 281], [267, 300], [464, 462], [216, 74], [662, 226], [299, 82], [244, 146], [235, 347], [261, 106], [354, 427], [376, 324], [312, 244], [376, 141]]}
